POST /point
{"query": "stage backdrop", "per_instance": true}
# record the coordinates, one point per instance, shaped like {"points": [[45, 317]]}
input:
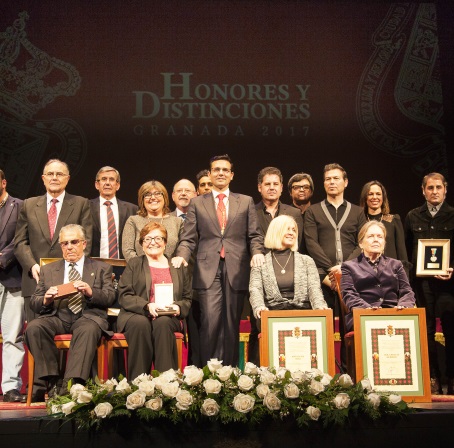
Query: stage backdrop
{"points": [[155, 88]]}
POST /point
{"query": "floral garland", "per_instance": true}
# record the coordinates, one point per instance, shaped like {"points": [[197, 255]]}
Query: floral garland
{"points": [[227, 394]]}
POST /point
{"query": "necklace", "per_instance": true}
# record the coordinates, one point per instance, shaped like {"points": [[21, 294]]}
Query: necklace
{"points": [[286, 263], [369, 216]]}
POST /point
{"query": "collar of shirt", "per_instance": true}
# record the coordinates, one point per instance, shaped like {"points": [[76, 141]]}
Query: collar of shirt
{"points": [[79, 265], [328, 204], [375, 263], [59, 198], [113, 200], [216, 193], [179, 212], [277, 209], [430, 208]]}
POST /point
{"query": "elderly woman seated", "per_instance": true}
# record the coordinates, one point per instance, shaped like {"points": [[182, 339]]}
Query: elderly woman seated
{"points": [[150, 334], [287, 280], [372, 280]]}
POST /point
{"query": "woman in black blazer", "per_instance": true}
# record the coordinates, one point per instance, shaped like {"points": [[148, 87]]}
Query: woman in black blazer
{"points": [[148, 326]]}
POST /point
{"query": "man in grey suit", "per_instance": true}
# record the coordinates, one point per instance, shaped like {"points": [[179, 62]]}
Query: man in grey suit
{"points": [[223, 227], [34, 237], [12, 314], [108, 183], [83, 313], [183, 192]]}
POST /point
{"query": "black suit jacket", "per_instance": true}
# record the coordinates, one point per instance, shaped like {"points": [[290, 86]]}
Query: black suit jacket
{"points": [[125, 210], [96, 273], [10, 269]]}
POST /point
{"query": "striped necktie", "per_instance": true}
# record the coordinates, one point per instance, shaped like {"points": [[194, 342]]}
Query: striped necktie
{"points": [[75, 301], [112, 231], [52, 217], [222, 218]]}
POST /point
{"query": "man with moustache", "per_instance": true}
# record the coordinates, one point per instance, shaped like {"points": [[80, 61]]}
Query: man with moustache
{"points": [[301, 189], [204, 184], [183, 192], [434, 219], [222, 226], [12, 315], [109, 215]]}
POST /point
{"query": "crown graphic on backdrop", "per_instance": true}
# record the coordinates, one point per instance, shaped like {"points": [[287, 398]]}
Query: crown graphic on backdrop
{"points": [[30, 79]]}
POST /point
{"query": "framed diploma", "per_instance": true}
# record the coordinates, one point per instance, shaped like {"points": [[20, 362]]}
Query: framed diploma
{"points": [[433, 257], [163, 294], [298, 340], [391, 351]]}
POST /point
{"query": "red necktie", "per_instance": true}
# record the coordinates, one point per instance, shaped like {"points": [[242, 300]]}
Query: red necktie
{"points": [[222, 217], [112, 231], [52, 218]]}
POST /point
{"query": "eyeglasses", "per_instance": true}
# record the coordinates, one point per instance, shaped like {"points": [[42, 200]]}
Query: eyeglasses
{"points": [[184, 190], [156, 194], [107, 179], [156, 239], [301, 187], [72, 242], [223, 170], [57, 175]]}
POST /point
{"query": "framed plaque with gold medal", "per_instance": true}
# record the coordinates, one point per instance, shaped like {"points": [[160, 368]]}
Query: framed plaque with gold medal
{"points": [[433, 257]]}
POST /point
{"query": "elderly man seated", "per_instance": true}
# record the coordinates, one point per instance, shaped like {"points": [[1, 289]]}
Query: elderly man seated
{"points": [[82, 313]]}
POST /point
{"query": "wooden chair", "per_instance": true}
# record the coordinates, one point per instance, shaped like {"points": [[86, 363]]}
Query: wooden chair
{"points": [[62, 342], [118, 341], [348, 337]]}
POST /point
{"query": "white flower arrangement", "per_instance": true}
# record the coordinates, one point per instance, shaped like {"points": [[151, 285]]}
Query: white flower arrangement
{"points": [[226, 394]]}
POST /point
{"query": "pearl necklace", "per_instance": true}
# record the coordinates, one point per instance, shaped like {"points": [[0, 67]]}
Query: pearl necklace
{"points": [[286, 263]]}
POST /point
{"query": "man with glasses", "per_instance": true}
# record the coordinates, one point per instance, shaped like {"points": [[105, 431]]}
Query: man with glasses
{"points": [[109, 215], [40, 221], [183, 192], [72, 296], [301, 189], [222, 226]]}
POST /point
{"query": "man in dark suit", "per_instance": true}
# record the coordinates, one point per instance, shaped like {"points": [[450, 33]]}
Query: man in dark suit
{"points": [[183, 192], [40, 222], [12, 314], [83, 313], [223, 227], [108, 183]]}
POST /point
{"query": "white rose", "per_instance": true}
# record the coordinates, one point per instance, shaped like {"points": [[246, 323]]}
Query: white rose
{"points": [[272, 402], [155, 404], [251, 368], [394, 399], [214, 365], [140, 378], [315, 372], [103, 410], [194, 376], [209, 407], [341, 401], [291, 391], [212, 386], [75, 390], [262, 389], [316, 387], [135, 400], [224, 373], [345, 380], [170, 389], [245, 383], [169, 375], [374, 399], [313, 412], [84, 396], [298, 376], [281, 372], [365, 383], [266, 377], [67, 408], [123, 387], [109, 385], [243, 403], [184, 400], [55, 409], [326, 379], [159, 381], [147, 387]]}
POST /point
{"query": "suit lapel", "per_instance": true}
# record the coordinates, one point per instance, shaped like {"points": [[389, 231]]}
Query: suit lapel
{"points": [[365, 266], [121, 214], [147, 276], [96, 213], [210, 207], [65, 212], [41, 216], [8, 207], [88, 275], [234, 205], [58, 273]]}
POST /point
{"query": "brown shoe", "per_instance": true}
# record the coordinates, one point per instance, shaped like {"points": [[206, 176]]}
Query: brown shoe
{"points": [[450, 390], [435, 386]]}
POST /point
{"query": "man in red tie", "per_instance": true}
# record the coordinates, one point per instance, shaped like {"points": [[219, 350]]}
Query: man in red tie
{"points": [[40, 221], [109, 215], [222, 226]]}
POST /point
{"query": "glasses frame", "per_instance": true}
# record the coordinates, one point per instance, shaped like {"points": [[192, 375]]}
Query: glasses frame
{"points": [[72, 242]]}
